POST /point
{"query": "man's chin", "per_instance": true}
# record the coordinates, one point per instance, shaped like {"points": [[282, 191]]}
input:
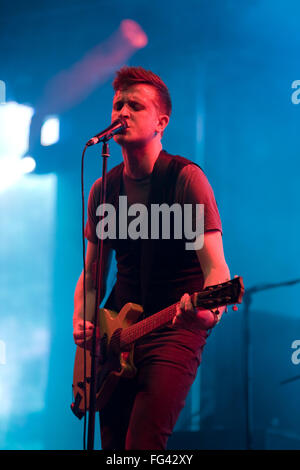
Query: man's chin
{"points": [[120, 139], [125, 141]]}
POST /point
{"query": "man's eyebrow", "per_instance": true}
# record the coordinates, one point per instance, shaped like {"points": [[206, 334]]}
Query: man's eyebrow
{"points": [[136, 98], [130, 100]]}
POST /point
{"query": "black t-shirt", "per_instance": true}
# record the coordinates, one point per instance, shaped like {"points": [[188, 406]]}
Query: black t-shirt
{"points": [[172, 270], [192, 188]]}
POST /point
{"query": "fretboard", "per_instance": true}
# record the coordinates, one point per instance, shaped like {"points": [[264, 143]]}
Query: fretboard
{"points": [[143, 327]]}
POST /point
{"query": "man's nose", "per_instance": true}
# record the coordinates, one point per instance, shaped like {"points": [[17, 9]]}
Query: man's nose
{"points": [[124, 112]]}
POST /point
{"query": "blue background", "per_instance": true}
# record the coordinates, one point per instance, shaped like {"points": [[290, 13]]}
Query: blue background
{"points": [[229, 66]]}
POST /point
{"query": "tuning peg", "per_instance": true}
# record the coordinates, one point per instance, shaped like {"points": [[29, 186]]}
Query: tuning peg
{"points": [[234, 308]]}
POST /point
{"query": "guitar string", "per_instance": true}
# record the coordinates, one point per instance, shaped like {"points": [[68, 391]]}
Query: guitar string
{"points": [[148, 324], [141, 328]]}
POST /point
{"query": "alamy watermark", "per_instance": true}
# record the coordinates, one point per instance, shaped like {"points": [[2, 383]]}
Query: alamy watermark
{"points": [[2, 92], [295, 97], [186, 224], [296, 354], [2, 353]]}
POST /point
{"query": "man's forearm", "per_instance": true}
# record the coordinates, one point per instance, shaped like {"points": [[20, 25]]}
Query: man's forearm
{"points": [[217, 275], [79, 301]]}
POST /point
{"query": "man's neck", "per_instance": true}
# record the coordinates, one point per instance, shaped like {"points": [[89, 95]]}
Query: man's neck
{"points": [[139, 162]]}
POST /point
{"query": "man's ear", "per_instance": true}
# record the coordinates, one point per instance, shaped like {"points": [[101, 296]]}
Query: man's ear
{"points": [[163, 121]]}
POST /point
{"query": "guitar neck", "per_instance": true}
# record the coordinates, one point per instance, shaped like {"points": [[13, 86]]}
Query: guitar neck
{"points": [[226, 293], [149, 324]]}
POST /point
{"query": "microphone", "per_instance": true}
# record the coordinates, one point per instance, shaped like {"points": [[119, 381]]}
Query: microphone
{"points": [[115, 128]]}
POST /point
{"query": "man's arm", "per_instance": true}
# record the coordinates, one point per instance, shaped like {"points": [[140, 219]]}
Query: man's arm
{"points": [[212, 259], [78, 323], [215, 270]]}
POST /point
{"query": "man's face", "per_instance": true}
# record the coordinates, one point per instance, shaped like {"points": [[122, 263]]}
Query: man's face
{"points": [[139, 105]]}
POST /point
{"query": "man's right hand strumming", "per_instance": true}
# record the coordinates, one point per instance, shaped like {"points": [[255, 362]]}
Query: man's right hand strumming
{"points": [[78, 333]]}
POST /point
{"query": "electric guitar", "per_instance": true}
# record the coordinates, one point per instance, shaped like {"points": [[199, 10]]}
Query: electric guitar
{"points": [[119, 331]]}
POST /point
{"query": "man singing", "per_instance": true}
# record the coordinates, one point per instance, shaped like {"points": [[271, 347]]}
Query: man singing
{"points": [[142, 411]]}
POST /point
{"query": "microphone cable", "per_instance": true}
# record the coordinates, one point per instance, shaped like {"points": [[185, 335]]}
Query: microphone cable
{"points": [[84, 296]]}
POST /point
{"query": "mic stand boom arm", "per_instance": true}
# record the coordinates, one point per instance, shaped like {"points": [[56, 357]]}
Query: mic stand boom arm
{"points": [[248, 295]]}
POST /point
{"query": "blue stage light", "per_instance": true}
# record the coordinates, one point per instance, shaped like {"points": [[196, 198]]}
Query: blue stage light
{"points": [[15, 121]]}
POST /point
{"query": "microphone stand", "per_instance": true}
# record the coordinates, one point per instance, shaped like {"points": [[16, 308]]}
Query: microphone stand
{"points": [[95, 348], [247, 299]]}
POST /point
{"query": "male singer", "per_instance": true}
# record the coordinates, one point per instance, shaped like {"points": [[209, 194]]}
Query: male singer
{"points": [[142, 411]]}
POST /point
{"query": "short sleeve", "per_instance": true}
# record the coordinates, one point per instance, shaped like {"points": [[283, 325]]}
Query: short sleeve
{"points": [[193, 187]]}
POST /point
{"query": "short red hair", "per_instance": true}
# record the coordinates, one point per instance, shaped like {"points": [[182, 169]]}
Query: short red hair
{"points": [[129, 76]]}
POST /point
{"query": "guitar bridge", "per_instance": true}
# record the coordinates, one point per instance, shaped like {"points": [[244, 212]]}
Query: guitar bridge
{"points": [[81, 384]]}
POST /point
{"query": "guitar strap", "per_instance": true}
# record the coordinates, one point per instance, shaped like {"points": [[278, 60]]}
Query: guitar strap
{"points": [[163, 187]]}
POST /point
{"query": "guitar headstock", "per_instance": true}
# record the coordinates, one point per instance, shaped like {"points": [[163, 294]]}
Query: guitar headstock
{"points": [[227, 293]]}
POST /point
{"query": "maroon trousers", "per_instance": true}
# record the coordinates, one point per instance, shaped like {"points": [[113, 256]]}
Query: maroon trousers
{"points": [[143, 411]]}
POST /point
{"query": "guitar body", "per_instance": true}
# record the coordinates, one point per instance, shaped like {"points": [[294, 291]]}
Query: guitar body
{"points": [[118, 332], [111, 363]]}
